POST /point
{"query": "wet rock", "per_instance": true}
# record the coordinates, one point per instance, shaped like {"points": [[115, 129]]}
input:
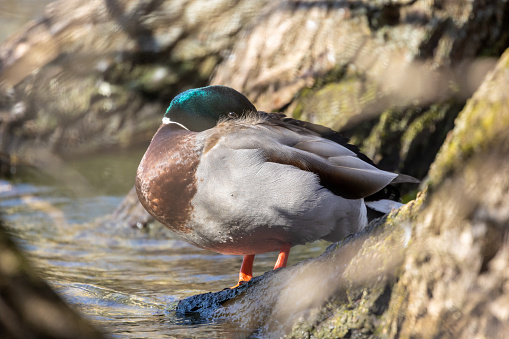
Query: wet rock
{"points": [[130, 213], [204, 305]]}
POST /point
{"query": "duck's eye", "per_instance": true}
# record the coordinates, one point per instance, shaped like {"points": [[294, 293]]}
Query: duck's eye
{"points": [[232, 115]]}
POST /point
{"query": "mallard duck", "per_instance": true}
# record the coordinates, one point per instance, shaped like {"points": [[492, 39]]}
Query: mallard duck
{"points": [[231, 179]]}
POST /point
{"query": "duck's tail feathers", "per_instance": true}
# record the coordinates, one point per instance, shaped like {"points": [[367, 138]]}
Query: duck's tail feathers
{"points": [[405, 179], [383, 206]]}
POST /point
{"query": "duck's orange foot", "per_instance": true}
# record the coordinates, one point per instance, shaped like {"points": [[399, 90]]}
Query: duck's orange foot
{"points": [[239, 283], [246, 270]]}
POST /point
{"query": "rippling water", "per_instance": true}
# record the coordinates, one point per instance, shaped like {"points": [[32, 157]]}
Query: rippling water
{"points": [[126, 281]]}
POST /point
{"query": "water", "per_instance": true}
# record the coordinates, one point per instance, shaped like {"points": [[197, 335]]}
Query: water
{"points": [[126, 282]]}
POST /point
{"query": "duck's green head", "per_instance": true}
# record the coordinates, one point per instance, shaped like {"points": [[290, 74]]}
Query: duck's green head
{"points": [[201, 108]]}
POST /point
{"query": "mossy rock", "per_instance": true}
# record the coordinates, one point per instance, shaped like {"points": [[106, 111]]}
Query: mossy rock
{"points": [[335, 103], [483, 124], [406, 139], [452, 280]]}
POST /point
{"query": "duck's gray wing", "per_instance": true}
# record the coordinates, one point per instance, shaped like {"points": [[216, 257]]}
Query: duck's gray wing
{"points": [[340, 169], [388, 192]]}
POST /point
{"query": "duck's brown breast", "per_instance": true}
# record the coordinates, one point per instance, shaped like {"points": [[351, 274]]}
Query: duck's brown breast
{"points": [[165, 181]]}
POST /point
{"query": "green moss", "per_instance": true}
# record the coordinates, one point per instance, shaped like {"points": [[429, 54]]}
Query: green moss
{"points": [[334, 103], [359, 310], [300, 100], [383, 143], [409, 196], [488, 113], [341, 319], [65, 101], [406, 139], [478, 128], [431, 117]]}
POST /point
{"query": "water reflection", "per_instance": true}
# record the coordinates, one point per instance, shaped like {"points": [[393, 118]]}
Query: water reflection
{"points": [[126, 281]]}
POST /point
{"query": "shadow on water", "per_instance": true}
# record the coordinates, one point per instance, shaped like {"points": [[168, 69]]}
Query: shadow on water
{"points": [[126, 281]]}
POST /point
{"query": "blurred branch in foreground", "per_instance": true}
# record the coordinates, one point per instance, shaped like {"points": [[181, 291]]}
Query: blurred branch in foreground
{"points": [[28, 306]]}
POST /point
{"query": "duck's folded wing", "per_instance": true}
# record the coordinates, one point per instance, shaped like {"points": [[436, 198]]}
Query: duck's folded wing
{"points": [[338, 168], [324, 132]]}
